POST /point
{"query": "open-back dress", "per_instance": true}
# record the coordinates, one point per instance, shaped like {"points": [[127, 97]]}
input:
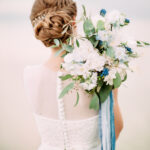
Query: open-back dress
{"points": [[61, 125]]}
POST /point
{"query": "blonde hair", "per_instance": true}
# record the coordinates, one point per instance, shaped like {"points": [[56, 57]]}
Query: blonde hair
{"points": [[48, 18]]}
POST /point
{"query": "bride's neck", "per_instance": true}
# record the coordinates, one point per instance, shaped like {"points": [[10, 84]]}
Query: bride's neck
{"points": [[54, 62]]}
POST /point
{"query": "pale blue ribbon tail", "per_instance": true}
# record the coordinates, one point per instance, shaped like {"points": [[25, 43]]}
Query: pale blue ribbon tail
{"points": [[107, 124]]}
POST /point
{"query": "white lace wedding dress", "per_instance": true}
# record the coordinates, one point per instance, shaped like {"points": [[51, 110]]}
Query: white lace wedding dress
{"points": [[60, 124]]}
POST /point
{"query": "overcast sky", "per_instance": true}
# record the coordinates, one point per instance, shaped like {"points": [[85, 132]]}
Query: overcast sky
{"points": [[15, 10]]}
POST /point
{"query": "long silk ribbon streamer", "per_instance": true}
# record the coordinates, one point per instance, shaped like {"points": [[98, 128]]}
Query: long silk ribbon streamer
{"points": [[112, 122], [106, 124]]}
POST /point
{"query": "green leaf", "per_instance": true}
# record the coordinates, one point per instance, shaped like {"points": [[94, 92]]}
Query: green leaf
{"points": [[100, 25], [84, 10], [88, 27], [125, 78], [126, 63], [68, 40], [100, 82], [77, 101], [105, 45], [68, 76], [133, 55], [93, 41], [64, 55], [65, 30], [138, 42], [110, 52], [77, 43], [56, 41], [117, 81], [82, 80], [68, 48], [66, 90], [53, 46], [147, 44], [104, 92], [59, 52], [94, 104]]}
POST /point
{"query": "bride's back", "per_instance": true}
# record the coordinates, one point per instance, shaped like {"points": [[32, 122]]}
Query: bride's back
{"points": [[41, 88], [82, 123]]}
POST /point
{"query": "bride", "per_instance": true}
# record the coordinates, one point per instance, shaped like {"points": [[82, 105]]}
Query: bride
{"points": [[61, 124]]}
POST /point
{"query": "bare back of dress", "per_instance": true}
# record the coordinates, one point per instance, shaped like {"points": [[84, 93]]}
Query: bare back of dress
{"points": [[41, 87]]}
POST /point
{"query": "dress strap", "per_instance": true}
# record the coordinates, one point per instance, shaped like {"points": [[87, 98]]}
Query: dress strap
{"points": [[61, 113]]}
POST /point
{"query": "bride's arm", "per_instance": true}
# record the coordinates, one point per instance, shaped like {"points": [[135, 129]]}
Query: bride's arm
{"points": [[117, 115]]}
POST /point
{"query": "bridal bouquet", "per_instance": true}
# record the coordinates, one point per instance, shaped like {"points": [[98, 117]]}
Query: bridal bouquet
{"points": [[99, 61]]}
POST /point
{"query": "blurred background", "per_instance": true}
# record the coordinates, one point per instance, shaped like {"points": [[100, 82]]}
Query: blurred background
{"points": [[19, 48]]}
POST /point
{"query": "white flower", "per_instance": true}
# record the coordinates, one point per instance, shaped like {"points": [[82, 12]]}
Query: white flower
{"points": [[83, 59], [68, 66], [118, 37], [105, 35], [68, 58], [96, 18], [132, 44], [114, 17], [90, 83], [108, 60], [122, 70], [120, 53], [107, 26], [85, 45], [112, 75], [95, 61]]}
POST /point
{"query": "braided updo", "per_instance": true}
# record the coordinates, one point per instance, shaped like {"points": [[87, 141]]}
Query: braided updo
{"points": [[48, 18]]}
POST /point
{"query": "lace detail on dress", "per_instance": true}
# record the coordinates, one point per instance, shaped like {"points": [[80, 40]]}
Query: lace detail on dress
{"points": [[82, 134]]}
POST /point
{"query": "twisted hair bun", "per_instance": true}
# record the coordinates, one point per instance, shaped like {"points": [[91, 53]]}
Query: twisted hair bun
{"points": [[48, 18]]}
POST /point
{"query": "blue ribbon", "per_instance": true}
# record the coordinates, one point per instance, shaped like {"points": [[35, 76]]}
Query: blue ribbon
{"points": [[107, 124]]}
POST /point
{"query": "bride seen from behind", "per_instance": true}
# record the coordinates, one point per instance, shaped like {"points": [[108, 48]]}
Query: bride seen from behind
{"points": [[48, 18]]}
